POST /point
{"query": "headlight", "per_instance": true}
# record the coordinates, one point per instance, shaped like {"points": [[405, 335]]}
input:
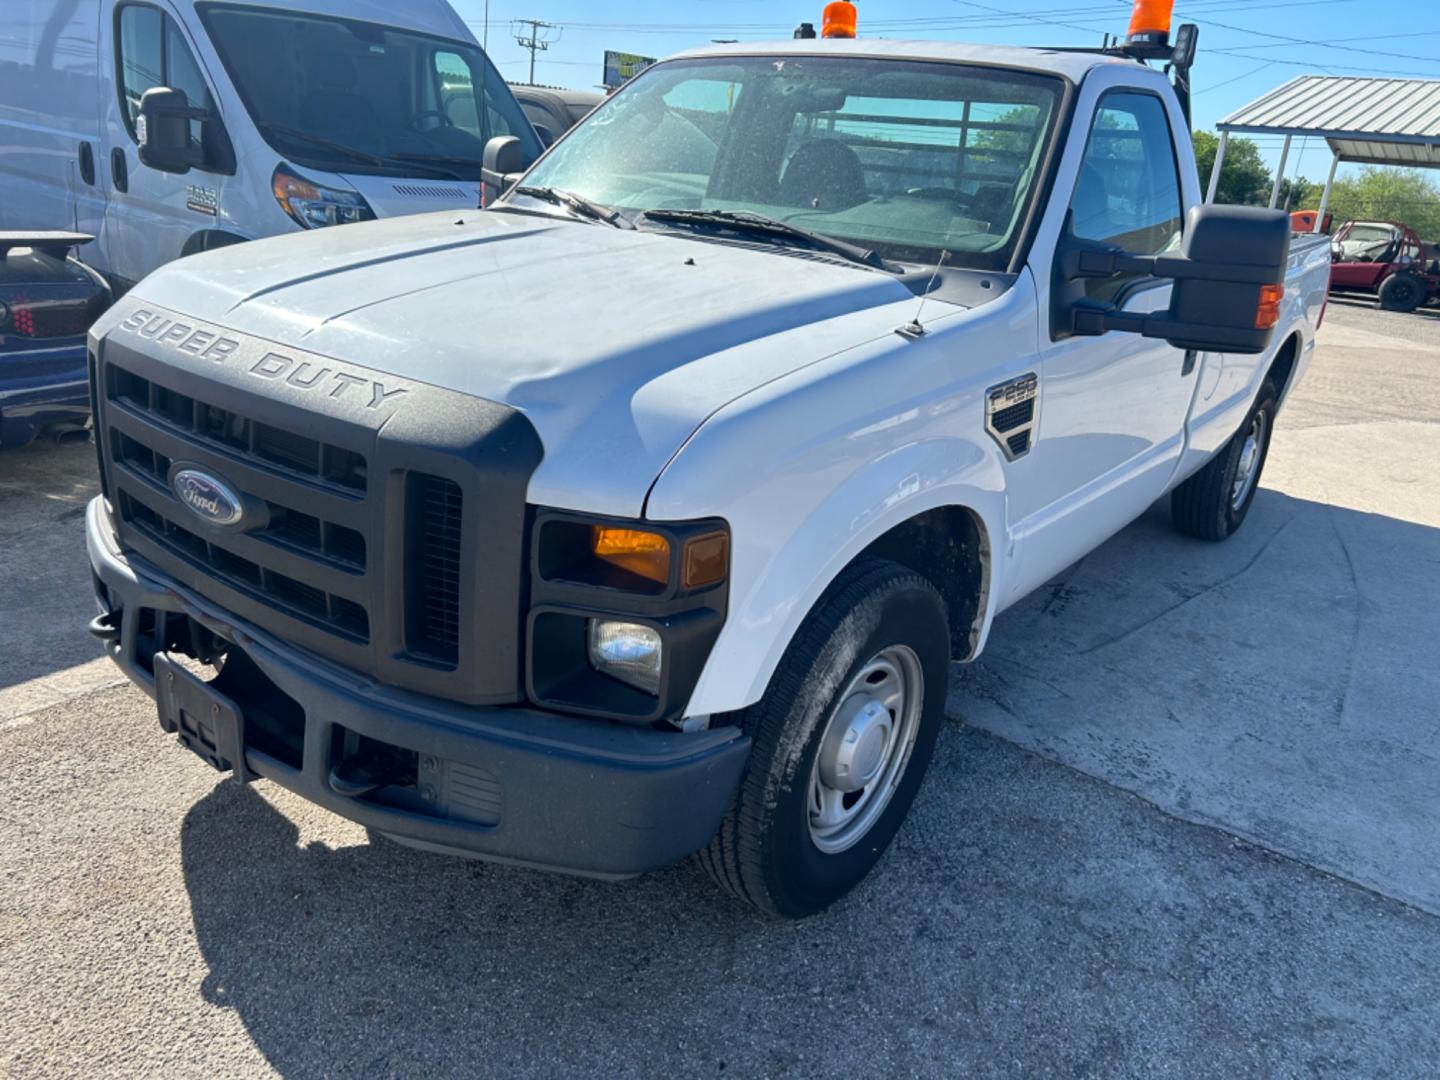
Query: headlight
{"points": [[627, 651], [313, 206]]}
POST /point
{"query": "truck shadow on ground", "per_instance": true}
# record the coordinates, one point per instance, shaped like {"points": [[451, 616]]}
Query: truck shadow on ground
{"points": [[1027, 913]]}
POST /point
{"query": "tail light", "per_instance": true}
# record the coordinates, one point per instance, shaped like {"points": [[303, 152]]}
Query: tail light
{"points": [[51, 312]]}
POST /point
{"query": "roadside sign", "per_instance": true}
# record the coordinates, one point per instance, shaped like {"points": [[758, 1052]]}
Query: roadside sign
{"points": [[621, 67]]}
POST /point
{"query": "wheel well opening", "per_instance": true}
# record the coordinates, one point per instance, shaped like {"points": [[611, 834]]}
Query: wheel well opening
{"points": [[1283, 366], [948, 546]]}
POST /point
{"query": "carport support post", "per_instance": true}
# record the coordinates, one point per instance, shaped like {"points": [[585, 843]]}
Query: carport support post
{"points": [[1219, 161], [1325, 195], [1280, 172]]}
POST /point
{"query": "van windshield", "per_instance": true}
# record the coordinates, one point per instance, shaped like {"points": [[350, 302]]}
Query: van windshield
{"points": [[905, 158], [349, 96]]}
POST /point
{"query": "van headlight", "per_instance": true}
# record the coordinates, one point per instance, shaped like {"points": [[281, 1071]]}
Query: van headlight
{"points": [[313, 206]]}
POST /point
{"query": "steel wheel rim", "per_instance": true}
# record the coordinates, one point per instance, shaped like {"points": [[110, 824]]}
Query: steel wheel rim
{"points": [[1248, 469], [864, 749]]}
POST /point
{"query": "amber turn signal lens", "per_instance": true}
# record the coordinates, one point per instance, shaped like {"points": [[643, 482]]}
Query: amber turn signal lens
{"points": [[706, 560], [841, 20], [1267, 312], [644, 553], [1150, 19]]}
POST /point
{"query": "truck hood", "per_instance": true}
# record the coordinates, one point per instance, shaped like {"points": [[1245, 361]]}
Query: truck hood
{"points": [[615, 344]]}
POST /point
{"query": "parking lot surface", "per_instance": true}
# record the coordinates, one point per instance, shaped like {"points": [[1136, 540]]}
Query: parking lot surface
{"points": [[1183, 822]]}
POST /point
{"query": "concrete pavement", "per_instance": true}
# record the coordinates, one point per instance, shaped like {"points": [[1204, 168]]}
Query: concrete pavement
{"points": [[1188, 830]]}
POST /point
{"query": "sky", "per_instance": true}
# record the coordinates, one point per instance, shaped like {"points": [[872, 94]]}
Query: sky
{"points": [[1247, 47]]}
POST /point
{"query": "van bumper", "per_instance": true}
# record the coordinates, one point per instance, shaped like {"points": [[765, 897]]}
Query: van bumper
{"points": [[513, 785]]}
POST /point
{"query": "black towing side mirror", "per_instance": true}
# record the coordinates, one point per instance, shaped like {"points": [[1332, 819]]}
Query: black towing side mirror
{"points": [[1229, 280], [163, 131], [502, 162]]}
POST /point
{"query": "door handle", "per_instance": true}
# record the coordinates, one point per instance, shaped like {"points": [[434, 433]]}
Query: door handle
{"points": [[87, 163], [119, 170]]}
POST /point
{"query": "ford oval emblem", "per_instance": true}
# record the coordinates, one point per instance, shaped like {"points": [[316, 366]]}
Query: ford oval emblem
{"points": [[210, 499]]}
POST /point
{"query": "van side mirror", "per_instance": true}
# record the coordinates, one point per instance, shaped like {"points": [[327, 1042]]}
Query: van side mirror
{"points": [[163, 131], [1229, 280]]}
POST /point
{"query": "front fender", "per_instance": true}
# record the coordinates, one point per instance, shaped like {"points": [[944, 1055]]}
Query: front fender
{"points": [[810, 470]]}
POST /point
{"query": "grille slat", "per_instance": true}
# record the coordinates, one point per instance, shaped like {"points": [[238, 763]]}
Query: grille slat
{"points": [[435, 507], [305, 533], [333, 613], [298, 562], [308, 458]]}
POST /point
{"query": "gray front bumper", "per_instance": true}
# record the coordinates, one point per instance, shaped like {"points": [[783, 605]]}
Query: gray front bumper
{"points": [[581, 796]]}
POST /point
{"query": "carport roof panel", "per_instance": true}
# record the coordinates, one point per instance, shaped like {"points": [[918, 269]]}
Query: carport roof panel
{"points": [[1390, 121]]}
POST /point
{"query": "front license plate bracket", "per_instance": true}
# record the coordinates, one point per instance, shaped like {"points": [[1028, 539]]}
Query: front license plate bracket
{"points": [[204, 720]]}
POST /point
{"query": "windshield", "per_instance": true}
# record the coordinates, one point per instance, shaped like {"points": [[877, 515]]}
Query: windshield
{"points": [[356, 97], [907, 159]]}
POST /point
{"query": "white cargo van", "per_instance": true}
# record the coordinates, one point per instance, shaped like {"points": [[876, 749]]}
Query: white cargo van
{"points": [[293, 116]]}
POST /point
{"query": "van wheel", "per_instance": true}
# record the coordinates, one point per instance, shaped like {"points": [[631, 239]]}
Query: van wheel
{"points": [[842, 739], [1402, 292], [1213, 503]]}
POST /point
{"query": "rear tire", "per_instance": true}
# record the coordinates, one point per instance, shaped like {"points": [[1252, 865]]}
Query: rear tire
{"points": [[1402, 292], [842, 740], [1213, 503]]}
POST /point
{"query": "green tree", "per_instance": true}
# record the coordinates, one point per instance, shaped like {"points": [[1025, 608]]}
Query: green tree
{"points": [[1298, 193], [1409, 196], [1244, 179]]}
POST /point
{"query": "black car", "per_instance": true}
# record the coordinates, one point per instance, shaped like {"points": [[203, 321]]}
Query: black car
{"points": [[48, 300], [552, 111]]}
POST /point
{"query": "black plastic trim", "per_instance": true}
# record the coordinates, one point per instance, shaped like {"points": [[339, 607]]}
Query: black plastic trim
{"points": [[398, 426]]}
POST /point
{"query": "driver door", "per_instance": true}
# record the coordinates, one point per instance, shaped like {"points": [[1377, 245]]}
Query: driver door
{"points": [[150, 214], [1112, 411]]}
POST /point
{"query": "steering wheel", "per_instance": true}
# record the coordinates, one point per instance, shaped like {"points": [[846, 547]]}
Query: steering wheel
{"points": [[438, 114]]}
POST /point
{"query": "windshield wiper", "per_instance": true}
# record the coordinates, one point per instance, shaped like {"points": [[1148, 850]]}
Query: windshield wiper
{"points": [[320, 140], [751, 222], [577, 205]]}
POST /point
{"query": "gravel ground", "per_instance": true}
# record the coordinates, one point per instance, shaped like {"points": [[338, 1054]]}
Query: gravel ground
{"points": [[1046, 912]]}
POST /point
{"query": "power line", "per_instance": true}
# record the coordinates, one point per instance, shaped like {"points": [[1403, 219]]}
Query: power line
{"points": [[538, 40]]}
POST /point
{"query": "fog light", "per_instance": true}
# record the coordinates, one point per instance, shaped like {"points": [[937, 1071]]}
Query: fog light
{"points": [[627, 651]]}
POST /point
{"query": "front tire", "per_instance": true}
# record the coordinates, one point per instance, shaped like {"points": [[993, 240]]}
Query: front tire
{"points": [[1402, 292], [842, 740], [1213, 503]]}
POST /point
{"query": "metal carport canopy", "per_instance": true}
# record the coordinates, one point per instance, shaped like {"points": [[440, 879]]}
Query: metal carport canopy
{"points": [[1372, 121]]}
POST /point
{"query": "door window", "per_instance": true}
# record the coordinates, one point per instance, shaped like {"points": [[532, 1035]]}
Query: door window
{"points": [[1128, 193], [153, 52]]}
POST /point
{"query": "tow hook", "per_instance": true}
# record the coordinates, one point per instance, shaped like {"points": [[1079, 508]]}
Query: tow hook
{"points": [[361, 774], [104, 627]]}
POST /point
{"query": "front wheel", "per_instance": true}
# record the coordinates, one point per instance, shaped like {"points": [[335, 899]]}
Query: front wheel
{"points": [[842, 740], [1213, 503], [1402, 292]]}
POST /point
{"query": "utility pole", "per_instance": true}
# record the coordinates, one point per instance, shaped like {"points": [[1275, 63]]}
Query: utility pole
{"points": [[538, 40]]}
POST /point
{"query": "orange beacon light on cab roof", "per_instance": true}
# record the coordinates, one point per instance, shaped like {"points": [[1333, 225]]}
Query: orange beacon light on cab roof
{"points": [[841, 20], [1150, 22]]}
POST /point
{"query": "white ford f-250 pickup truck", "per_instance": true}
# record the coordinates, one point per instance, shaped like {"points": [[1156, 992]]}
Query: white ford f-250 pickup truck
{"points": [[642, 512]]}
